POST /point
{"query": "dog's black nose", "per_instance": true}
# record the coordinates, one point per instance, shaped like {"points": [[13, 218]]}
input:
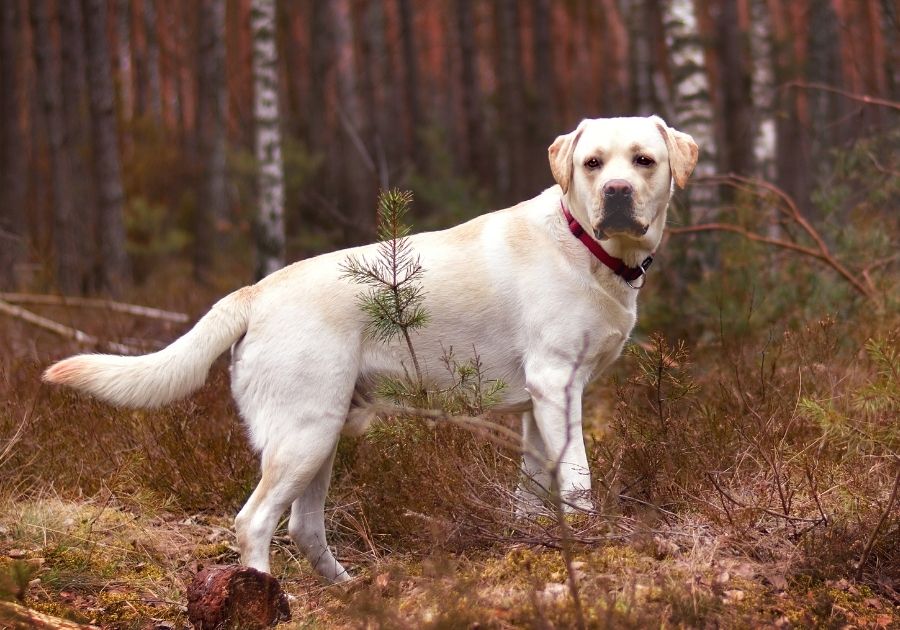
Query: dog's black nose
{"points": [[617, 188]]}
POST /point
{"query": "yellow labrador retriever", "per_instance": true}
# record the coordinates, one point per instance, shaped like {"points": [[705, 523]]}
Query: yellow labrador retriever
{"points": [[545, 291]]}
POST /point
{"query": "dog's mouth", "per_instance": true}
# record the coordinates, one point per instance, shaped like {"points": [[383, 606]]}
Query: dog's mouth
{"points": [[620, 225]]}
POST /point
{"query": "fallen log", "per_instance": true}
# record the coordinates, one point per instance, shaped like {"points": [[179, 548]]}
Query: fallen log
{"points": [[232, 596]]}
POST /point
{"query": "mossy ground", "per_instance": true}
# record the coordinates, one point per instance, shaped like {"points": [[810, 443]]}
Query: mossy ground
{"points": [[118, 568]]}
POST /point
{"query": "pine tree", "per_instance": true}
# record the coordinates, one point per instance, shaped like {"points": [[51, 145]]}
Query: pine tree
{"points": [[394, 301]]}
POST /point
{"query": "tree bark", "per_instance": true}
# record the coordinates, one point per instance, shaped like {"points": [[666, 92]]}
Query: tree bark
{"points": [[411, 81], [735, 85], [67, 263], [690, 93], [13, 157], [512, 123], [75, 108], [270, 237], [375, 84], [114, 268], [231, 596], [615, 50], [123, 56], [211, 217], [152, 91], [358, 184], [792, 141], [471, 92]]}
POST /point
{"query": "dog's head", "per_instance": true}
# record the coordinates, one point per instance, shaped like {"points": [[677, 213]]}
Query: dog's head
{"points": [[618, 174]]}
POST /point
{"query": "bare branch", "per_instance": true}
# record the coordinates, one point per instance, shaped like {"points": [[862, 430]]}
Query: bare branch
{"points": [[80, 302], [789, 208], [63, 331], [862, 98]]}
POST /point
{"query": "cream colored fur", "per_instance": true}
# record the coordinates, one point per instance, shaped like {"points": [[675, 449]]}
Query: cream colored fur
{"points": [[515, 285]]}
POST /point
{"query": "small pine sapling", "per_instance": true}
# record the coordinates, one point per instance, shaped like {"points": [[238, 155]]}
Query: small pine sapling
{"points": [[394, 305], [394, 301]]}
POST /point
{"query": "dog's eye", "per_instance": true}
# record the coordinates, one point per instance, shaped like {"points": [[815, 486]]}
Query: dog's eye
{"points": [[593, 163], [643, 160]]}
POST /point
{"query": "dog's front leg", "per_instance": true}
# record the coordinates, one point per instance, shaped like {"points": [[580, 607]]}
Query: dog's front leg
{"points": [[556, 397]]}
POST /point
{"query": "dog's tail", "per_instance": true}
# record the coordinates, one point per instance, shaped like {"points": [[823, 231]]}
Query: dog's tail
{"points": [[156, 379]]}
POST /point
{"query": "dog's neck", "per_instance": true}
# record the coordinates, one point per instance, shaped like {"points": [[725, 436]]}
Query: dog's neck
{"points": [[631, 251]]}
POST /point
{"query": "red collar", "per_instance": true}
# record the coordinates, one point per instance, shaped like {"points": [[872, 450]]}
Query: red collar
{"points": [[617, 265]]}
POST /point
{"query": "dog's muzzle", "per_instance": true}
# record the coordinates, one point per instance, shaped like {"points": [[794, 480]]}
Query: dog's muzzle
{"points": [[618, 212]]}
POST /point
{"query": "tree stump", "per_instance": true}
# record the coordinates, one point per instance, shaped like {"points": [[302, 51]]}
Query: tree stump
{"points": [[232, 596]]}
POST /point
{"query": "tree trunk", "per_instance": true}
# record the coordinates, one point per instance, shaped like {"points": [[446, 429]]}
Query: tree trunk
{"points": [[735, 115], [123, 56], [690, 94], [114, 267], [211, 217], [75, 108], [375, 88], [615, 59], [152, 91], [512, 123], [13, 157], [792, 142], [67, 263], [270, 168], [411, 82], [471, 93], [358, 184], [763, 86]]}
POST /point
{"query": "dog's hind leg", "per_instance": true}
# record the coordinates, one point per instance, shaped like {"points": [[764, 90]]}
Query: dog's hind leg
{"points": [[288, 468], [307, 526]]}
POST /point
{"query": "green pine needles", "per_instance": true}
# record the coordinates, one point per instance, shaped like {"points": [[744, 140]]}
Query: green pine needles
{"points": [[394, 300]]}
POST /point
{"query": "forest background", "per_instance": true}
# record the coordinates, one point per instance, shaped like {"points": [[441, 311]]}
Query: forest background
{"points": [[165, 152]]}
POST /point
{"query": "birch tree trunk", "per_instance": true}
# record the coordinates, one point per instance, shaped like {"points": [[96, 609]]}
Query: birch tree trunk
{"points": [[690, 94], [763, 89], [13, 157], [211, 217], [114, 267], [67, 264], [270, 168]]}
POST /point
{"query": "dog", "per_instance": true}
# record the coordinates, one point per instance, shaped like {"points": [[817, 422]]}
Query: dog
{"points": [[545, 292]]}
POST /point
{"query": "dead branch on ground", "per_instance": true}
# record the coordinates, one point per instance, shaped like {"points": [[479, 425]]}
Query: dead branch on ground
{"points": [[66, 332], [81, 302]]}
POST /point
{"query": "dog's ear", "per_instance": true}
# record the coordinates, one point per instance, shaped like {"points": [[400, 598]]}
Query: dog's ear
{"points": [[560, 153], [683, 151]]}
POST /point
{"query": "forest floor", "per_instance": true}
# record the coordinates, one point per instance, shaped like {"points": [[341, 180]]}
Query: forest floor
{"points": [[737, 487], [128, 566]]}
